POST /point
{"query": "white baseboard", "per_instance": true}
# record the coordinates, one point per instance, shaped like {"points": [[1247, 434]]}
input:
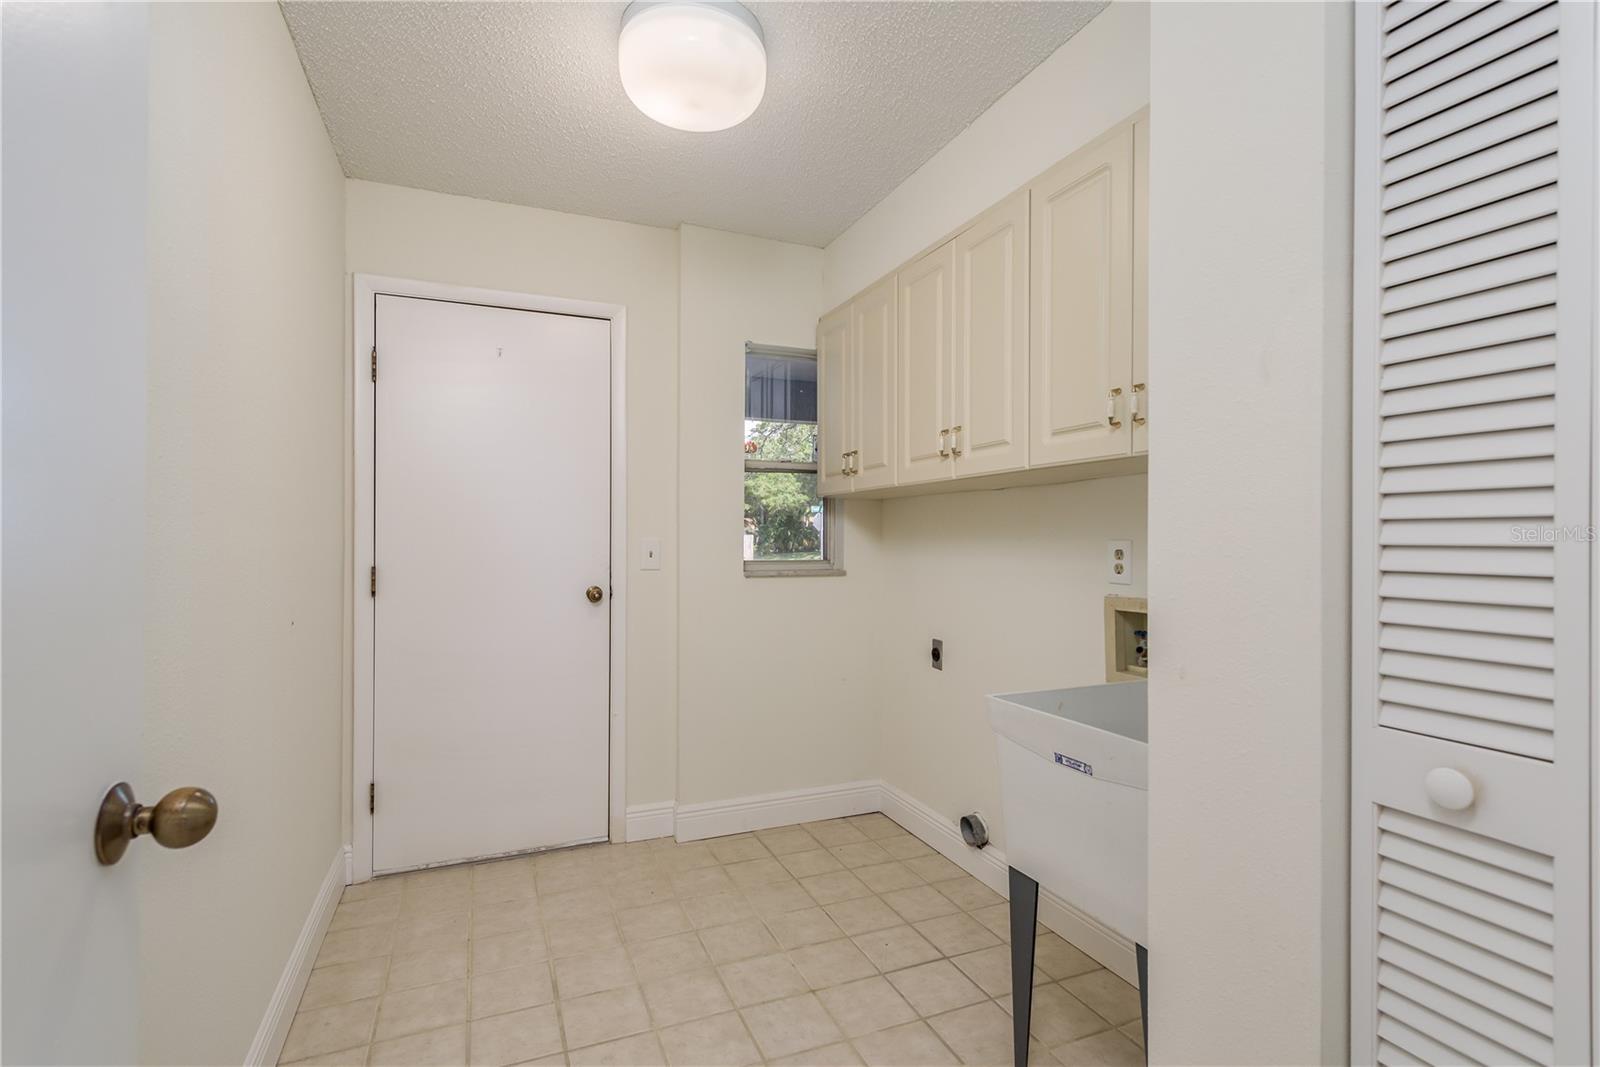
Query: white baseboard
{"points": [[719, 818], [274, 1029], [988, 865], [646, 821]]}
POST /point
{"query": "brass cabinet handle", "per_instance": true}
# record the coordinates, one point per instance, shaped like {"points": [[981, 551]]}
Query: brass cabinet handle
{"points": [[955, 440], [178, 820], [1111, 409], [944, 450], [594, 593], [1133, 405]]}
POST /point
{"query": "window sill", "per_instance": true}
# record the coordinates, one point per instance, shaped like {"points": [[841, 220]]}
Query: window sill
{"points": [[757, 569]]}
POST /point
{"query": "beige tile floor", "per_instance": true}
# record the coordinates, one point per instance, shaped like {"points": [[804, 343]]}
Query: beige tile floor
{"points": [[840, 942]]}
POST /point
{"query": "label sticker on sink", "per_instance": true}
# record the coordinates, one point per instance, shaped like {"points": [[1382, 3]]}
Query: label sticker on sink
{"points": [[1076, 764]]}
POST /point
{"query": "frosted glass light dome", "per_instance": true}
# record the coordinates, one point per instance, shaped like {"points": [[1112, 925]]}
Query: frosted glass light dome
{"points": [[692, 64]]}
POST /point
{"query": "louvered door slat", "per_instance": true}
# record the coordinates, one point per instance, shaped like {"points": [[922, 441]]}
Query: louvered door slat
{"points": [[1523, 451], [1399, 1043], [1449, 698], [1513, 181], [1444, 479], [1403, 11], [1462, 173], [1437, 17], [1471, 624], [1437, 48], [1477, 618], [1535, 115], [1535, 956], [1518, 326], [1459, 366], [1522, 1010], [1490, 677], [1507, 68], [1505, 241], [1487, 648], [1520, 592], [1484, 50], [1462, 532], [1478, 278], [1536, 292], [1525, 981], [1526, 503], [1480, 1033], [1492, 216], [1480, 418], [1469, 113], [1527, 562]]}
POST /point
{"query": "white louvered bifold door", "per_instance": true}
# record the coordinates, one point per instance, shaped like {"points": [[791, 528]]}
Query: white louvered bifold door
{"points": [[1471, 616]]}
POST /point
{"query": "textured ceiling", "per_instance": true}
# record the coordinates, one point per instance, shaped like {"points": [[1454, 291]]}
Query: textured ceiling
{"points": [[520, 102]]}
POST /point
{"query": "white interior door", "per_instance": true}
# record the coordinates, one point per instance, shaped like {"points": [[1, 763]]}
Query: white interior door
{"points": [[75, 84], [491, 520], [1471, 702]]}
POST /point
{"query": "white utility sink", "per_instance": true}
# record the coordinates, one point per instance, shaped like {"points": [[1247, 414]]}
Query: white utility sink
{"points": [[1074, 771]]}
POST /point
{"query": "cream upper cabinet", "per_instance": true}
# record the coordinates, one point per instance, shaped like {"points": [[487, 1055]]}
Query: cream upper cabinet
{"points": [[871, 402], [1081, 305], [1017, 344], [833, 424], [1139, 399], [924, 367], [989, 394]]}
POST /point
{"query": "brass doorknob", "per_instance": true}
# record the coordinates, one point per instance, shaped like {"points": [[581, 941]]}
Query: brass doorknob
{"points": [[594, 593], [178, 820]]}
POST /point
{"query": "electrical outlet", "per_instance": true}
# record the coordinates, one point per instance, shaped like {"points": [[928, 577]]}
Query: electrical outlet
{"points": [[1119, 562], [936, 654], [650, 554]]}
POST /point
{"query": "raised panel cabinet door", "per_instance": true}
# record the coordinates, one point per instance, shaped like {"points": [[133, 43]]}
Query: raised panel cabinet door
{"points": [[1081, 305], [872, 356], [924, 336], [1139, 400], [990, 409], [834, 432]]}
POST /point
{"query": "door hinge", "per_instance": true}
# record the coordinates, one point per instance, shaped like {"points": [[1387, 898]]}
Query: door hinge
{"points": [[372, 798], [372, 580], [374, 362]]}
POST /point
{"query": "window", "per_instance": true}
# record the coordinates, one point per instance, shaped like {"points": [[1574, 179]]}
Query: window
{"points": [[788, 528]]}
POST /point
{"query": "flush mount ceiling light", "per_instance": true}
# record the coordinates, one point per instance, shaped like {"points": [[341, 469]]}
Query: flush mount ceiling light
{"points": [[691, 64]]}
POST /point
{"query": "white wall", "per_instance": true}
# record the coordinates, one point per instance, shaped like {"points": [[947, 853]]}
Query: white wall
{"points": [[775, 682], [1249, 489], [243, 513], [408, 233], [1096, 79], [1011, 580]]}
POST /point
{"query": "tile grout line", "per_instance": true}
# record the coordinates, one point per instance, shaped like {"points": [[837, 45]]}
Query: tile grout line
{"points": [[655, 867]]}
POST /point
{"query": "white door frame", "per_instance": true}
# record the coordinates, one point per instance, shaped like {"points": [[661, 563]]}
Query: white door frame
{"points": [[367, 287]]}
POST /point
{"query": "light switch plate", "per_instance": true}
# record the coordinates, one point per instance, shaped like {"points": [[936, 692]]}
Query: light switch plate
{"points": [[1119, 562], [650, 554]]}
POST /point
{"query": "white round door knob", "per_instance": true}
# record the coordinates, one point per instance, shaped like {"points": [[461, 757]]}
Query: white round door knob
{"points": [[1450, 789]]}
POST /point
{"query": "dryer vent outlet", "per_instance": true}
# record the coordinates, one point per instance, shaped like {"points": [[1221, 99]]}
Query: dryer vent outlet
{"points": [[973, 830]]}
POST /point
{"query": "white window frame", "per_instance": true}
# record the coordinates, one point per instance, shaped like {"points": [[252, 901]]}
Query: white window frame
{"points": [[832, 562]]}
